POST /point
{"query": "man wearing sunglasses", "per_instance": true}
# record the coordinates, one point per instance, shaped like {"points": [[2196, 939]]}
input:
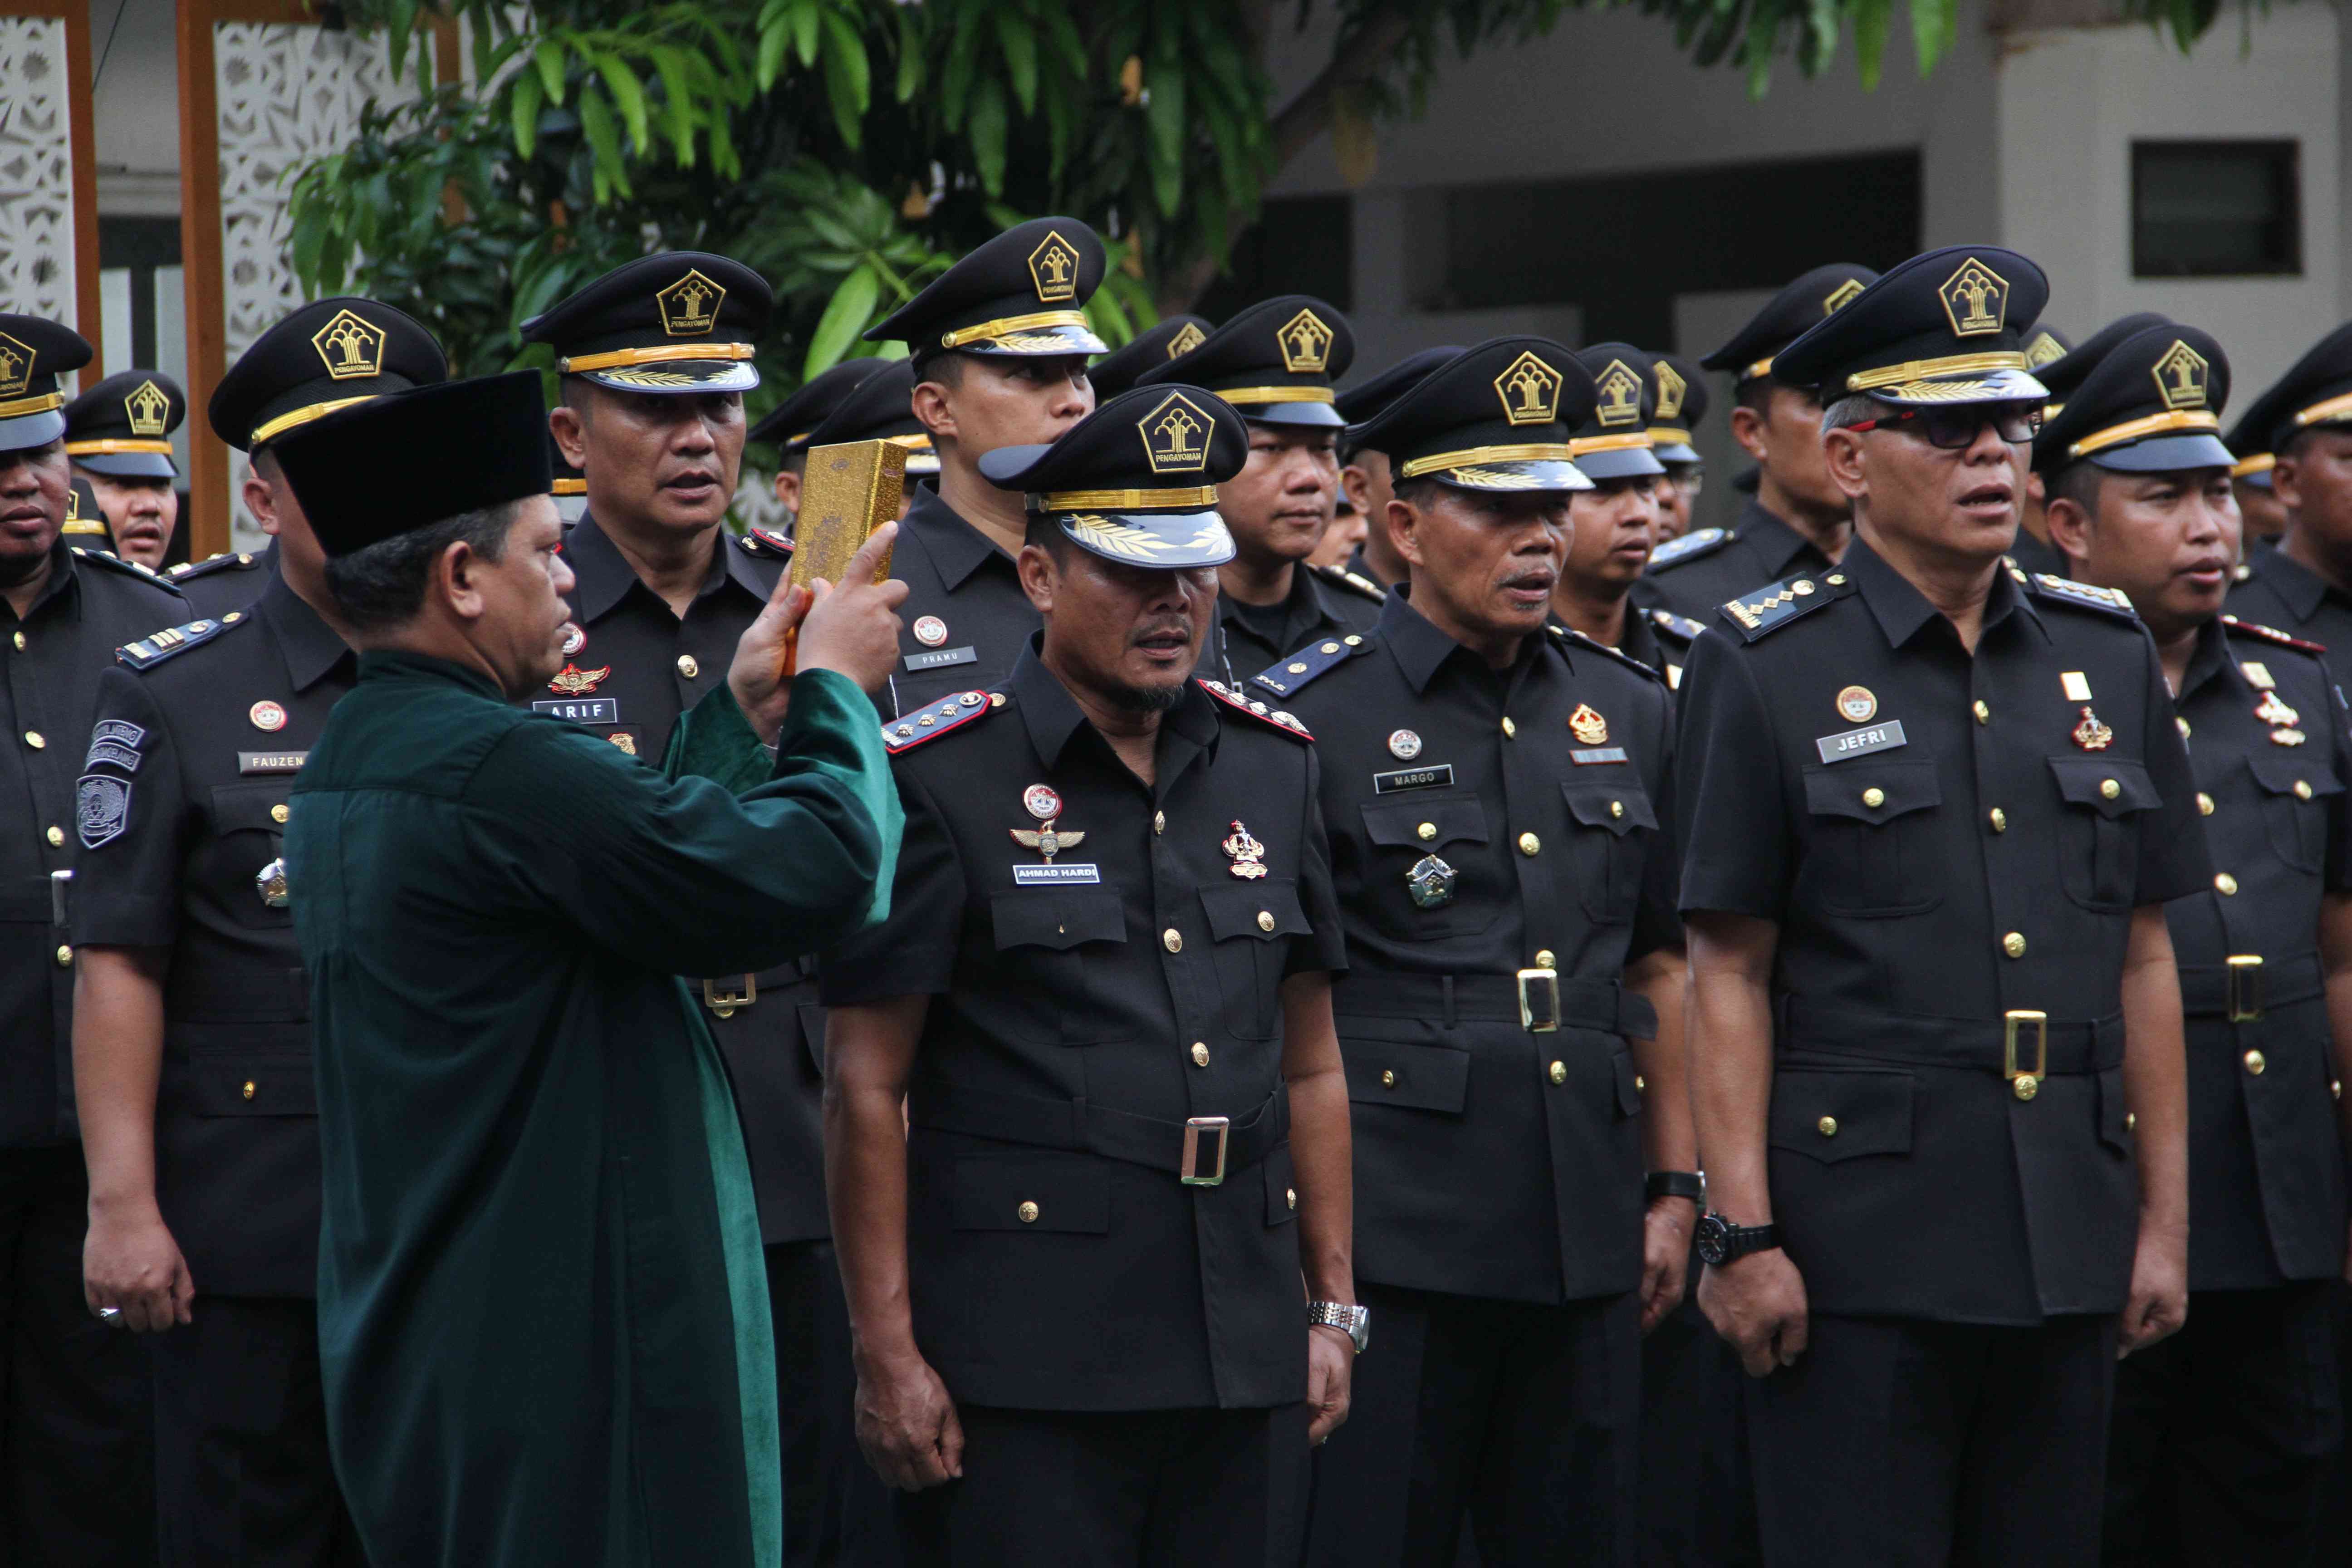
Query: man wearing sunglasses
{"points": [[1935, 807]]}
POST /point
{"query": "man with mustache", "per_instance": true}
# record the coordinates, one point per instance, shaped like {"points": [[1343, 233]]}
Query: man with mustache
{"points": [[2221, 1432], [74, 1411], [1497, 795], [1086, 1125], [1933, 808], [119, 435]]}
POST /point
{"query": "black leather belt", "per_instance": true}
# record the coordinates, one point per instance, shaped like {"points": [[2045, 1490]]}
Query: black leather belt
{"points": [[2239, 989], [1200, 1152], [2021, 1046], [1602, 1005]]}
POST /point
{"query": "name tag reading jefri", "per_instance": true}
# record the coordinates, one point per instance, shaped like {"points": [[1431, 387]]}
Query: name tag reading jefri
{"points": [[1438, 775], [1064, 875], [941, 658], [1861, 742]]}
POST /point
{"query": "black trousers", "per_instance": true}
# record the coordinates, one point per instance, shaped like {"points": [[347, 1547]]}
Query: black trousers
{"points": [[243, 1478], [2221, 1435], [1698, 1498], [1895, 1443], [76, 1431], [1148, 1489], [1525, 1418], [837, 1509]]}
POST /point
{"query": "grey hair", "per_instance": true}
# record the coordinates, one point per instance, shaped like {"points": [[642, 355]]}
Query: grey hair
{"points": [[1854, 408], [383, 585]]}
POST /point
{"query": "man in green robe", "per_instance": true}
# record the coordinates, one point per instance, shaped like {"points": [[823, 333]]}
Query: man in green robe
{"points": [[544, 1322]]}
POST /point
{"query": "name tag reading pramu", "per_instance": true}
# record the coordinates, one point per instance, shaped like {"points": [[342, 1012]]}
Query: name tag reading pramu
{"points": [[1862, 741]]}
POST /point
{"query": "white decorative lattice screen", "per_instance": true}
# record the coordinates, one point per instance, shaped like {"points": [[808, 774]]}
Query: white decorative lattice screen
{"points": [[36, 214]]}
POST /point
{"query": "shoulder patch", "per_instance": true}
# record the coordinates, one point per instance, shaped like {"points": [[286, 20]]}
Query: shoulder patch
{"points": [[1691, 546], [172, 641], [1674, 625], [1569, 637], [2085, 596], [1287, 677], [2272, 635], [224, 561], [1272, 718], [107, 558], [909, 730], [1775, 604], [764, 544], [1347, 581]]}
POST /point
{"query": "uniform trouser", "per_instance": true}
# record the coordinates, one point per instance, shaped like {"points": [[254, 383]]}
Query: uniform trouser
{"points": [[1526, 1417], [1146, 1488], [75, 1430], [1698, 1499], [243, 1478], [837, 1509], [2222, 1432], [1898, 1443]]}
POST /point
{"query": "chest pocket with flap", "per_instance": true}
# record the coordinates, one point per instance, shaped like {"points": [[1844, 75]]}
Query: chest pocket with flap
{"points": [[247, 835], [1044, 937], [2098, 837], [2294, 804], [1453, 828], [1614, 827], [1874, 826], [1250, 924]]}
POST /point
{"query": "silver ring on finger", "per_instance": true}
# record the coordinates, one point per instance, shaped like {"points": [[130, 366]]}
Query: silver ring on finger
{"points": [[110, 1316]]}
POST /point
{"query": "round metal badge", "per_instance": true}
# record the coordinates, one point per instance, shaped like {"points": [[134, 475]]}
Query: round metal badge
{"points": [[1040, 802], [268, 715], [930, 631], [1403, 745], [1857, 704], [574, 639]]}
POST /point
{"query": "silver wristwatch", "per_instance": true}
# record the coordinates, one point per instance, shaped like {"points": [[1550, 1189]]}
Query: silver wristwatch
{"points": [[1356, 1323]]}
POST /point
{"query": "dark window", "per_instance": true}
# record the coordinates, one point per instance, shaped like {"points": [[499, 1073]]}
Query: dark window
{"points": [[2216, 209], [1299, 244], [142, 244]]}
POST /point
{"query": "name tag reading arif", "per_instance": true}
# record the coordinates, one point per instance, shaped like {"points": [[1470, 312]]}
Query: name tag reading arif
{"points": [[1439, 776], [1862, 741], [1062, 875], [942, 658], [586, 711]]}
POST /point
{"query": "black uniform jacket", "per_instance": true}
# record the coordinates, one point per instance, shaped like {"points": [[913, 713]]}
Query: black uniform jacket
{"points": [[207, 742], [640, 666], [92, 605], [1492, 1159], [965, 619], [229, 581], [1081, 1013], [2275, 590], [2267, 740], [1693, 574], [1246, 639], [1949, 844]]}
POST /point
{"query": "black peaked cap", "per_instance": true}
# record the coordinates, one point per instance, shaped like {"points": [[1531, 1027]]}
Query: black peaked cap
{"points": [[2316, 390], [1171, 339], [1945, 327], [1786, 316], [317, 358], [1614, 441], [35, 351], [679, 322], [1135, 481], [788, 423], [881, 407], [1363, 402], [1679, 385], [122, 426], [85, 519], [1496, 416], [1024, 292], [2063, 375], [2153, 406], [1275, 362]]}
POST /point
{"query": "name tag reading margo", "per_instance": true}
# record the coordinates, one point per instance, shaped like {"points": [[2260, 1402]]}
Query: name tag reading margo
{"points": [[1438, 775], [583, 711], [1861, 742], [1062, 875], [941, 657]]}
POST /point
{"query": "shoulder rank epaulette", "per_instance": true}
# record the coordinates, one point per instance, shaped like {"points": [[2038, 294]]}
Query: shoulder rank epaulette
{"points": [[1691, 546], [1287, 677], [1354, 582], [2272, 634], [1775, 604], [1569, 637], [222, 562], [1272, 718], [909, 730], [129, 568], [2089, 597], [763, 542], [172, 641], [1675, 626]]}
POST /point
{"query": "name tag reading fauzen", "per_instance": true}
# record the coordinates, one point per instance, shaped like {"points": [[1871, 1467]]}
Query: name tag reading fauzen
{"points": [[1439, 776], [1054, 876], [586, 710], [942, 657], [1861, 742], [1586, 756], [271, 761]]}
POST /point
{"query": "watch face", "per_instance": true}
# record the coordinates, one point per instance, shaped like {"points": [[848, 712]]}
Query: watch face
{"points": [[1712, 1235]]}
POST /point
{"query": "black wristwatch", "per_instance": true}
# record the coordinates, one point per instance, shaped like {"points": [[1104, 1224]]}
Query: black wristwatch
{"points": [[1721, 1242], [1691, 1185]]}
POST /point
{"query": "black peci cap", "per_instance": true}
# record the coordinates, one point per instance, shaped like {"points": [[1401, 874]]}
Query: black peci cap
{"points": [[1275, 362], [2062, 375], [788, 423], [1171, 339], [1024, 292], [322, 356], [1497, 416], [1136, 480], [881, 409], [682, 322], [2316, 390], [1679, 386], [1786, 316], [2152, 406], [121, 427], [1364, 402], [392, 465], [1614, 440], [85, 517], [1944, 328], [34, 353]]}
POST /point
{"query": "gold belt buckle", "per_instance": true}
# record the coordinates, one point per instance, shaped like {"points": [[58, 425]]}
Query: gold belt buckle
{"points": [[2245, 987], [1539, 1000], [723, 997], [1188, 1169], [2027, 1083]]}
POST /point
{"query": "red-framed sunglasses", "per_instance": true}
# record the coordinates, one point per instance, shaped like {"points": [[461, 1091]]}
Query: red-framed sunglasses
{"points": [[1954, 428]]}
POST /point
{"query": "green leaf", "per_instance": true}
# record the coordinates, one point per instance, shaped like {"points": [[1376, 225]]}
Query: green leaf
{"points": [[548, 57], [1935, 25], [678, 105], [529, 92], [605, 140], [911, 54], [955, 83], [1163, 116], [846, 316], [987, 131], [773, 41], [804, 26], [629, 95], [1019, 42], [1871, 20], [848, 82]]}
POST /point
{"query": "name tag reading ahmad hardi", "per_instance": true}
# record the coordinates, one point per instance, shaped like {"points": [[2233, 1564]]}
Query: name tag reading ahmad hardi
{"points": [[1062, 875], [1862, 741]]}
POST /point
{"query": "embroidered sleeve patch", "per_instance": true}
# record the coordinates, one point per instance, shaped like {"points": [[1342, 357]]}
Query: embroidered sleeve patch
{"points": [[101, 808]]}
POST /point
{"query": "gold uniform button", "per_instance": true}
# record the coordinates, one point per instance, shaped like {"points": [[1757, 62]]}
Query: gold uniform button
{"points": [[2204, 804], [1873, 798], [1172, 940], [1426, 831], [1616, 808], [2255, 1063], [32, 739], [1559, 1072], [2181, 725], [1159, 822], [1265, 919], [1388, 1077], [65, 958], [57, 837], [1200, 1053], [2335, 1088], [2109, 789], [2131, 1121], [249, 1088], [2302, 789], [2224, 883], [687, 667], [1529, 843], [1828, 1124], [1983, 713], [1640, 1084], [2000, 819], [1292, 1194], [1510, 728], [2013, 944], [1547, 959], [278, 813], [1028, 1213], [20, 642]]}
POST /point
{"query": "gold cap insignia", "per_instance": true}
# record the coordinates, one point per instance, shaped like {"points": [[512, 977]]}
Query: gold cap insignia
{"points": [[1176, 436], [1529, 390], [1054, 269], [689, 307], [1306, 343], [15, 366], [148, 407], [2181, 376], [350, 346], [1672, 389], [1621, 394], [2043, 350], [73, 504], [1839, 298], [1975, 300], [1188, 337]]}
